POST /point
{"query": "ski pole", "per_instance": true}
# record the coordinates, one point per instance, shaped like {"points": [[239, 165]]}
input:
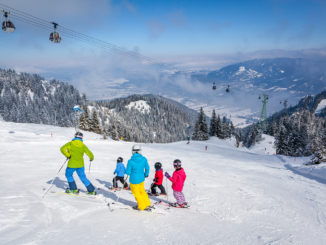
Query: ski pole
{"points": [[55, 178], [166, 189], [90, 164]]}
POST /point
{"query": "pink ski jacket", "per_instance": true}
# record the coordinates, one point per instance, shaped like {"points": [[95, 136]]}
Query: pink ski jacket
{"points": [[177, 179]]}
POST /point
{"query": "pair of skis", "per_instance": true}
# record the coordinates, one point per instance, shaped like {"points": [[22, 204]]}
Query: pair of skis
{"points": [[173, 205]]}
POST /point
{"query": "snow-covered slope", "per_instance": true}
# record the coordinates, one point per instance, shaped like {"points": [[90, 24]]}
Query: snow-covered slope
{"points": [[321, 105], [236, 196]]}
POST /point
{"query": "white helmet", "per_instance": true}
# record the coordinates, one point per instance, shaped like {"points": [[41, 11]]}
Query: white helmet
{"points": [[136, 148]]}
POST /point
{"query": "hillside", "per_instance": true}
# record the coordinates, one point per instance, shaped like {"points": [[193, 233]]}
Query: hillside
{"points": [[30, 98], [236, 196], [147, 118]]}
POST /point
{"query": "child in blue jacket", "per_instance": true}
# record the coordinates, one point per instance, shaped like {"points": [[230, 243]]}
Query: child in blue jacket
{"points": [[120, 171]]}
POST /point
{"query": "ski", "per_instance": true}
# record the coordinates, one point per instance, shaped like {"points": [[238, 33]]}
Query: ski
{"points": [[173, 205]]}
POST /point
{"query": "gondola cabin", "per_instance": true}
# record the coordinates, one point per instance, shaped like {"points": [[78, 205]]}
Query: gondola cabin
{"points": [[227, 89], [55, 36], [7, 25]]}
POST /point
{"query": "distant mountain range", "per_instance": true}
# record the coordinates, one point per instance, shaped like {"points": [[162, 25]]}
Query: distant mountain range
{"points": [[281, 79]]}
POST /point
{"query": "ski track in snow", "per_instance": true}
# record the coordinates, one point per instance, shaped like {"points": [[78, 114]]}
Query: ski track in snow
{"points": [[236, 196]]}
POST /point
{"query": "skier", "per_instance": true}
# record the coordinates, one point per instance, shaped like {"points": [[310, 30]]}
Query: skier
{"points": [[158, 180], [178, 178], [120, 171], [74, 150], [138, 170]]}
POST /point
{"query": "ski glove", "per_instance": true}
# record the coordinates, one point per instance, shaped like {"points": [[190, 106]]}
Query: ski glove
{"points": [[167, 175]]}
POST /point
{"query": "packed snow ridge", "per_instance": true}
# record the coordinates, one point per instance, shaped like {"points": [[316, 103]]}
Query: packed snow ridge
{"points": [[140, 105]]}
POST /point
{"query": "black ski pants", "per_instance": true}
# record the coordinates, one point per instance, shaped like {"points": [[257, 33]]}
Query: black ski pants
{"points": [[161, 187], [121, 179]]}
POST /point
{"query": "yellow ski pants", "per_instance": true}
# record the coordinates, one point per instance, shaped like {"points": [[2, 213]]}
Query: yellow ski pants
{"points": [[138, 190]]}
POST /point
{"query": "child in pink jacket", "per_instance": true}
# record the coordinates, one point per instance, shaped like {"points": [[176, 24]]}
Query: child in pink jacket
{"points": [[178, 178]]}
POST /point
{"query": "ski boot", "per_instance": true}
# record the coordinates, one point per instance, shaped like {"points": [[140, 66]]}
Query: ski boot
{"points": [[75, 191], [92, 193]]}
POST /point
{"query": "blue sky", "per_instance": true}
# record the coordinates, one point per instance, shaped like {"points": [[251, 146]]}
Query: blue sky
{"points": [[166, 27], [190, 34]]}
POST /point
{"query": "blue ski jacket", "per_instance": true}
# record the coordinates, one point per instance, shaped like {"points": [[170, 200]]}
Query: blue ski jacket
{"points": [[120, 169], [137, 169]]}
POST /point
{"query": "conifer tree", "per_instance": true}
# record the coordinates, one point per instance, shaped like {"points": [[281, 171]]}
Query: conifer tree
{"points": [[212, 128], [84, 120], [95, 125], [201, 128], [219, 132]]}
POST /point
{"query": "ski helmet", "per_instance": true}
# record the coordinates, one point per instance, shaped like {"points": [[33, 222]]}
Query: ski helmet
{"points": [[177, 163], [79, 135], [158, 165], [136, 148], [120, 159]]}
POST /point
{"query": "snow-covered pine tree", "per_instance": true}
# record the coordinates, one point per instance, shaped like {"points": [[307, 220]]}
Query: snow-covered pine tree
{"points": [[281, 139], [226, 128], [84, 120], [95, 125], [201, 128], [212, 127], [219, 132]]}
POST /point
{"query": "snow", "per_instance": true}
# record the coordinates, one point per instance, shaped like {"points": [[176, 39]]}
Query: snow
{"points": [[31, 94], [241, 69], [321, 105], [140, 105], [237, 196]]}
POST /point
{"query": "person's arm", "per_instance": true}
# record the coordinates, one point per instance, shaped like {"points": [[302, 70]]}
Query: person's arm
{"points": [[65, 150], [146, 168], [174, 178], [128, 170], [88, 153]]}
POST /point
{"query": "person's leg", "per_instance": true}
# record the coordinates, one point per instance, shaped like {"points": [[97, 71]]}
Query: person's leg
{"points": [[115, 184], [121, 179], [69, 175], [153, 188], [145, 199], [125, 185], [162, 189], [179, 197], [140, 195], [86, 182], [135, 191], [182, 198]]}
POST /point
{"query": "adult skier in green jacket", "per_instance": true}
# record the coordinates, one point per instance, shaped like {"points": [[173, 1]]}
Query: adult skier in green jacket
{"points": [[74, 150]]}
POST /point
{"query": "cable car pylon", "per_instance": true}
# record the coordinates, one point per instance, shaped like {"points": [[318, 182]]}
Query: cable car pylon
{"points": [[263, 114]]}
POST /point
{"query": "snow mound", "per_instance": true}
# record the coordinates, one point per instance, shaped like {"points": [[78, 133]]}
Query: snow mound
{"points": [[321, 105], [140, 105]]}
